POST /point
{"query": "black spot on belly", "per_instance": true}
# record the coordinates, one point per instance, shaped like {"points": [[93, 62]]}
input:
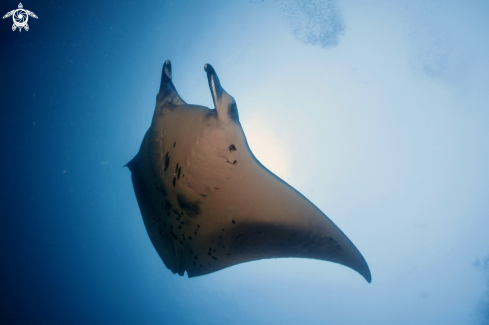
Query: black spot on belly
{"points": [[167, 161], [179, 170], [190, 208], [174, 144], [176, 168], [233, 221], [174, 180], [232, 148], [161, 190]]}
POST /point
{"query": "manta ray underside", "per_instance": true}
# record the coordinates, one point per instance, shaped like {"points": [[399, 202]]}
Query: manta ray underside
{"points": [[207, 202]]}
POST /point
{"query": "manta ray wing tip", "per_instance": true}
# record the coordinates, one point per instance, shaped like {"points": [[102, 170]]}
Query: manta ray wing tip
{"points": [[364, 271], [367, 276], [131, 164]]}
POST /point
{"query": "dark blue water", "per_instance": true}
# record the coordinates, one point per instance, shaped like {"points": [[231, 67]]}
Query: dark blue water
{"points": [[403, 171], [65, 222]]}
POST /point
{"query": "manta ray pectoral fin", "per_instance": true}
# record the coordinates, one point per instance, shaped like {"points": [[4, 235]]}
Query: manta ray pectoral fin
{"points": [[260, 216], [225, 104], [168, 94]]}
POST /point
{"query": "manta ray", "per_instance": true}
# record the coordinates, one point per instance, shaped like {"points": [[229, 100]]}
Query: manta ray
{"points": [[208, 203]]}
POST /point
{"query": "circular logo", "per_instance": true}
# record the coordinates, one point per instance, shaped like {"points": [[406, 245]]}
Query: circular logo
{"points": [[20, 17]]}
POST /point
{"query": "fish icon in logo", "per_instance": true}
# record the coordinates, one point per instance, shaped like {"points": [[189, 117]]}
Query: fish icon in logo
{"points": [[20, 17]]}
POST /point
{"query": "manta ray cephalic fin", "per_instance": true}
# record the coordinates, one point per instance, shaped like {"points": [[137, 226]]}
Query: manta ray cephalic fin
{"points": [[168, 94], [224, 103]]}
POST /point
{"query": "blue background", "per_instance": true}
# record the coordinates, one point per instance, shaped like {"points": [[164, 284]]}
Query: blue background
{"points": [[377, 111]]}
